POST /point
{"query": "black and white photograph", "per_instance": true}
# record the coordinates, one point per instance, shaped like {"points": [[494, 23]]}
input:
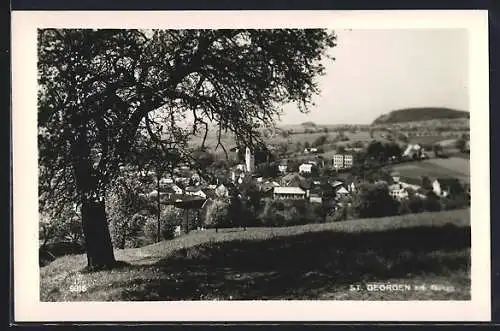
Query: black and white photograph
{"points": [[257, 163]]}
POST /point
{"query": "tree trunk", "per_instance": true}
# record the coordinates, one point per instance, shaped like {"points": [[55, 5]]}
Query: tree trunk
{"points": [[97, 238], [92, 192], [158, 228]]}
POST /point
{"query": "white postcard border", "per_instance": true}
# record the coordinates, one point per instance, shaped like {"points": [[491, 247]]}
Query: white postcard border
{"points": [[25, 179]]}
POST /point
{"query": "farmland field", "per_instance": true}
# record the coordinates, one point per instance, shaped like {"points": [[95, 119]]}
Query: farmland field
{"points": [[437, 167], [426, 140]]}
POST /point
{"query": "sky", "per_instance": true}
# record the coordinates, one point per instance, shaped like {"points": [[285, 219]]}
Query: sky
{"points": [[376, 71]]}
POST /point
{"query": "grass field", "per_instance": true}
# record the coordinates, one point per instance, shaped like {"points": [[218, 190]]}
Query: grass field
{"points": [[436, 168], [316, 261], [299, 136], [426, 140]]}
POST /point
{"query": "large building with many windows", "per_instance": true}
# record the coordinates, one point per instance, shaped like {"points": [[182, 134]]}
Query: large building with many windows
{"points": [[342, 161]]}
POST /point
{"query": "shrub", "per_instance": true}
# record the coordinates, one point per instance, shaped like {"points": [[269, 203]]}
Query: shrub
{"points": [[63, 227], [170, 218], [217, 214], [125, 231], [373, 200], [455, 202], [432, 202], [339, 215]]}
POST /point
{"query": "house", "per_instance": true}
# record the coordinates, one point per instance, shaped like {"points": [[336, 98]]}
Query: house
{"points": [[348, 161], [413, 151], [237, 175], [305, 168], [336, 183], [406, 182], [289, 193], [222, 191], [195, 191], [338, 161], [282, 168], [166, 181], [315, 198], [444, 187], [341, 191], [398, 191], [310, 150], [341, 161]]}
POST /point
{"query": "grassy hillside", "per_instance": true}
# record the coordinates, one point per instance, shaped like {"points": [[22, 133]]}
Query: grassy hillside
{"points": [[420, 114], [315, 261], [456, 167]]}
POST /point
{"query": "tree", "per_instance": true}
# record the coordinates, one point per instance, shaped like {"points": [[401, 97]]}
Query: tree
{"points": [[98, 87], [163, 155], [122, 208], [432, 203], [461, 143], [438, 150], [298, 146], [426, 183], [217, 215], [321, 140], [373, 200]]}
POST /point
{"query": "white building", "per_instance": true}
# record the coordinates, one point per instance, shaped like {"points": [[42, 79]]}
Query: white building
{"points": [[310, 150], [305, 168], [315, 198], [348, 161], [221, 191], [443, 186], [341, 161], [282, 168], [413, 150], [166, 182], [398, 191], [196, 192], [176, 189], [249, 160], [338, 161], [289, 192], [342, 191]]}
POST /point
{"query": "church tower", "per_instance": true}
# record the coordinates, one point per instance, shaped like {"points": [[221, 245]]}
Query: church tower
{"points": [[249, 160]]}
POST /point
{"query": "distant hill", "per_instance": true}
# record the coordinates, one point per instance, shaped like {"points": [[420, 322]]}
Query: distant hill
{"points": [[420, 114], [309, 124]]}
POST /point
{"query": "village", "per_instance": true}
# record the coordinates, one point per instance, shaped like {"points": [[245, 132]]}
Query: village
{"points": [[252, 164], [331, 184]]}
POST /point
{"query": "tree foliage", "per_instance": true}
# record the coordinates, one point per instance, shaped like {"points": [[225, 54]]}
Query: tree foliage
{"points": [[373, 200]]}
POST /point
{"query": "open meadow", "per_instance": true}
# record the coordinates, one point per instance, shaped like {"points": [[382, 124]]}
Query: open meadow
{"points": [[314, 261], [456, 167]]}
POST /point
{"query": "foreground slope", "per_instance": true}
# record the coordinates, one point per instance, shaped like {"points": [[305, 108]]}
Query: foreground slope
{"points": [[316, 261]]}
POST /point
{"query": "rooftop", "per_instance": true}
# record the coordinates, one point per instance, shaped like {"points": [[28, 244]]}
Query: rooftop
{"points": [[288, 190]]}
